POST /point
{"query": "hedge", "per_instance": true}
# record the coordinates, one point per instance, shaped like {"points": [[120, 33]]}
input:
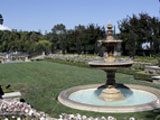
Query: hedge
{"points": [[143, 76], [127, 71], [138, 75]]}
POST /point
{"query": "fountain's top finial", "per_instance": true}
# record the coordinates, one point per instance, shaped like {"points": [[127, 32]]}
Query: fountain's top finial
{"points": [[109, 26], [109, 32]]}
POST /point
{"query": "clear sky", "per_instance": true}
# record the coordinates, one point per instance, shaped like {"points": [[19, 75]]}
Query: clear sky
{"points": [[44, 14]]}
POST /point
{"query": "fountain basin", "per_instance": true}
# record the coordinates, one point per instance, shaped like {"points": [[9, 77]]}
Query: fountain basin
{"points": [[67, 99], [117, 64]]}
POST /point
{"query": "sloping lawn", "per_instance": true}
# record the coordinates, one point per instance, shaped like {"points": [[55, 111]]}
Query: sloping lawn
{"points": [[41, 82]]}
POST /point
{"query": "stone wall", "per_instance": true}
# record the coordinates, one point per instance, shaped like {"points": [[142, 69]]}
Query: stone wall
{"points": [[11, 97]]}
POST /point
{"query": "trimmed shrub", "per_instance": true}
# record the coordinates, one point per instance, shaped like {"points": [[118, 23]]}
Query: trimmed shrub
{"points": [[138, 75], [143, 76], [79, 64], [157, 117], [127, 71]]}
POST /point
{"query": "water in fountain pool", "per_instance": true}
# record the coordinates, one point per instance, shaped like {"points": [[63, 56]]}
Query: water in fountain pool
{"points": [[132, 97]]}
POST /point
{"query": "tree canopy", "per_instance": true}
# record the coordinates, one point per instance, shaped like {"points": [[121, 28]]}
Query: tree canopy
{"points": [[140, 34], [139, 31]]}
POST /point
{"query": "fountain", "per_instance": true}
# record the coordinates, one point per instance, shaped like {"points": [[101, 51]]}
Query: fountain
{"points": [[111, 97], [109, 65]]}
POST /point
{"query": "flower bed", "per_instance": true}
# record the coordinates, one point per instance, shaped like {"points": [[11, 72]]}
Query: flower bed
{"points": [[19, 111], [23, 111], [65, 116], [77, 116]]}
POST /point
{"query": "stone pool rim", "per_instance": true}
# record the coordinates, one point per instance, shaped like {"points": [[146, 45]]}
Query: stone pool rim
{"points": [[63, 99]]}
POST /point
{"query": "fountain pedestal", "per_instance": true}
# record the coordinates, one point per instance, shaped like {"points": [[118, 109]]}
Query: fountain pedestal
{"points": [[111, 93]]}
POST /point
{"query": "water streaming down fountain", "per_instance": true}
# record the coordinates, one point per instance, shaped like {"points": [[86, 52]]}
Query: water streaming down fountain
{"points": [[111, 97]]}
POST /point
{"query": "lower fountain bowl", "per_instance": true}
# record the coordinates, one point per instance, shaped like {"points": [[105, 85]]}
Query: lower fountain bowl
{"points": [[137, 98]]}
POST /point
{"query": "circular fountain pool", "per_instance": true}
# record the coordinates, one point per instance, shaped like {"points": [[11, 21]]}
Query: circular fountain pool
{"points": [[137, 98], [132, 97]]}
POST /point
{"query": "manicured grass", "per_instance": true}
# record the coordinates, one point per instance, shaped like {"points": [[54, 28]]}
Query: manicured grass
{"points": [[41, 82]]}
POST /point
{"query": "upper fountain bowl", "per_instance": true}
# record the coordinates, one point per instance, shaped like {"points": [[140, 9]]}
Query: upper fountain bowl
{"points": [[118, 63], [109, 42], [110, 62]]}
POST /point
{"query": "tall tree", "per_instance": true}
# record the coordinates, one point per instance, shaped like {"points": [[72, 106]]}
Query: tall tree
{"points": [[80, 38], [146, 30], [59, 37]]}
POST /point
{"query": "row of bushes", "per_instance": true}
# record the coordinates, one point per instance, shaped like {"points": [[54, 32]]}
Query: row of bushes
{"points": [[127, 71], [79, 64], [143, 76], [138, 75]]}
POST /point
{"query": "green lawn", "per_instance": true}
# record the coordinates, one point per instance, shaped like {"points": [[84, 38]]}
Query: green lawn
{"points": [[41, 82]]}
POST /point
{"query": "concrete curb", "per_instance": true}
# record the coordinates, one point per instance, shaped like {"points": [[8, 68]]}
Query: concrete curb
{"points": [[13, 96]]}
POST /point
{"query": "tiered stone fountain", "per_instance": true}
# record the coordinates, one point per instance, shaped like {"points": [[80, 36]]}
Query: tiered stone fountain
{"points": [[111, 97], [109, 65]]}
